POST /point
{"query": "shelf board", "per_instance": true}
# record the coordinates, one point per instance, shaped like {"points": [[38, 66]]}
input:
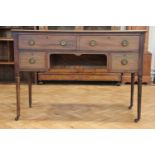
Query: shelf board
{"points": [[7, 63], [6, 39]]}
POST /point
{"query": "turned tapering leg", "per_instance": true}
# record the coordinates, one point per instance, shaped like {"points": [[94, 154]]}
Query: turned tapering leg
{"points": [[139, 98], [30, 89], [17, 97], [132, 90]]}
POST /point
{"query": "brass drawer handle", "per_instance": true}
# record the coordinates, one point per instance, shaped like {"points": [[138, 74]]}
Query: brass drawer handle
{"points": [[92, 43], [32, 61], [31, 42], [124, 43], [63, 43], [124, 62]]}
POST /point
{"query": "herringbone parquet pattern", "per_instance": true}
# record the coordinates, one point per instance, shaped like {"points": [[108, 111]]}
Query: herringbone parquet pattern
{"points": [[76, 106]]}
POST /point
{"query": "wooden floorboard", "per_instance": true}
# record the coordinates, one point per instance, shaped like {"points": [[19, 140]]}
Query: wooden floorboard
{"points": [[76, 106]]}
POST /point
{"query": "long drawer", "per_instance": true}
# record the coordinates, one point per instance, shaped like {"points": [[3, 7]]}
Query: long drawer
{"points": [[109, 43], [70, 42], [47, 41]]}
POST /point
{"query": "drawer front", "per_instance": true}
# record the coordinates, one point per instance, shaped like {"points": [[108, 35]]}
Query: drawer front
{"points": [[47, 42], [109, 43], [124, 62], [32, 61]]}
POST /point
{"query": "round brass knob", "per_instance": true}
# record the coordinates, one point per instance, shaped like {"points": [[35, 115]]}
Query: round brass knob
{"points": [[31, 42], [92, 43], [124, 43], [63, 42], [32, 61], [124, 61]]}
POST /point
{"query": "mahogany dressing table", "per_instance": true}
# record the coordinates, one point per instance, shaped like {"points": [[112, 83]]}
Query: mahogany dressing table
{"points": [[121, 52]]}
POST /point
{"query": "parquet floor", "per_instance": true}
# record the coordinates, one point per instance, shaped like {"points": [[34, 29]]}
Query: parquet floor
{"points": [[76, 106]]}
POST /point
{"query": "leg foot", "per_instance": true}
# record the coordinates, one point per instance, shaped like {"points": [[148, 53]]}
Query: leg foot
{"points": [[17, 117], [136, 120], [130, 107]]}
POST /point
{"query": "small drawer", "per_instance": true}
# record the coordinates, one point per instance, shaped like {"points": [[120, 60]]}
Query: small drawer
{"points": [[47, 42], [109, 43], [124, 62], [32, 61]]}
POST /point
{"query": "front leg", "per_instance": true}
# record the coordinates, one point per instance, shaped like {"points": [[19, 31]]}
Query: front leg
{"points": [[139, 98], [17, 97], [30, 89], [132, 90]]}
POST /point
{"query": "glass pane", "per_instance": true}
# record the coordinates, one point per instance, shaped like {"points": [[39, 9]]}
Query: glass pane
{"points": [[97, 27], [61, 27]]}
